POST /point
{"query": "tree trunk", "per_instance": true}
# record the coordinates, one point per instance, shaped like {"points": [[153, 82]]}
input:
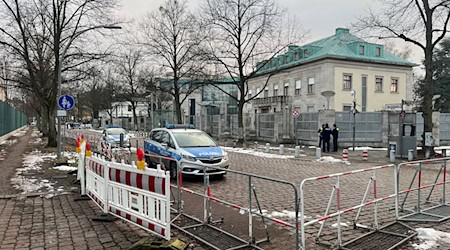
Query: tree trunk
{"points": [[428, 88], [177, 108], [52, 140], [241, 121], [133, 106], [44, 119]]}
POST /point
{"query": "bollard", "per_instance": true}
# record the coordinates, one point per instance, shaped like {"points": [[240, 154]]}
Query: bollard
{"points": [[365, 155], [444, 152], [256, 145], [267, 147], [281, 149], [345, 155], [121, 140], [392, 155], [410, 155], [318, 152], [297, 151]]}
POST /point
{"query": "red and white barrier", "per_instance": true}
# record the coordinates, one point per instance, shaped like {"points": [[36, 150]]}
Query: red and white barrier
{"points": [[345, 155], [140, 197], [365, 155]]}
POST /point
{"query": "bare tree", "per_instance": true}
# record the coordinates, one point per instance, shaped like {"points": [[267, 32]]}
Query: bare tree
{"points": [[132, 73], [173, 34], [42, 35], [403, 52], [242, 33], [423, 23]]}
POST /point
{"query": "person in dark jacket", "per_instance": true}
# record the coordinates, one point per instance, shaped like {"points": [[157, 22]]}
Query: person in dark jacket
{"points": [[326, 139], [335, 134], [320, 131]]}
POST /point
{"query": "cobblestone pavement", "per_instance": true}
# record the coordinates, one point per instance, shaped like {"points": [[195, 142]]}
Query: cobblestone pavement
{"points": [[60, 222]]}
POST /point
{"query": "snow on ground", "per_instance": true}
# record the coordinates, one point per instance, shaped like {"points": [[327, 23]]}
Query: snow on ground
{"points": [[32, 162], [20, 133], [331, 159], [342, 224], [2, 154], [65, 168], [431, 239], [8, 142], [367, 148], [258, 153], [275, 214]]}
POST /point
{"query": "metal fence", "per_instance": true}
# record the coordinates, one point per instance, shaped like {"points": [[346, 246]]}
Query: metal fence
{"points": [[10, 118], [307, 126], [444, 126], [267, 125], [368, 126]]}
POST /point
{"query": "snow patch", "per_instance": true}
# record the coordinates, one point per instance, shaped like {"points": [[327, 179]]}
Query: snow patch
{"points": [[259, 154], [65, 168], [431, 238], [331, 159], [342, 225], [367, 148]]}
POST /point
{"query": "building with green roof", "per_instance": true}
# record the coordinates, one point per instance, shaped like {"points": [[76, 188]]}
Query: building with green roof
{"points": [[338, 65]]}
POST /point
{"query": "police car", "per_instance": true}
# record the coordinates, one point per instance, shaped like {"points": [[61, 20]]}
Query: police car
{"points": [[193, 148]]}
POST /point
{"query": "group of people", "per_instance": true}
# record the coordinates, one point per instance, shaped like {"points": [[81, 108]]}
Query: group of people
{"points": [[325, 135]]}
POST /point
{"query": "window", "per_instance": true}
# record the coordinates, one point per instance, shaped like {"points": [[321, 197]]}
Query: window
{"points": [[280, 61], [394, 85], [250, 94], [378, 84], [286, 89], [347, 82], [287, 59], [311, 85], [266, 92], [347, 107], [361, 49], [310, 109], [156, 136], [257, 93], [378, 51], [298, 86], [275, 90], [306, 53], [129, 108]]}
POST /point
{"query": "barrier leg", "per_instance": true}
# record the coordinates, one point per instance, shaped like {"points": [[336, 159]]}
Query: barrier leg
{"points": [[362, 202], [419, 186], [435, 181], [250, 215], [444, 181], [338, 208], [327, 211], [260, 211], [206, 200], [410, 186], [375, 205]]}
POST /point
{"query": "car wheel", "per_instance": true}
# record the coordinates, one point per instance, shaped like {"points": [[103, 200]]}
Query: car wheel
{"points": [[173, 171], [149, 162]]}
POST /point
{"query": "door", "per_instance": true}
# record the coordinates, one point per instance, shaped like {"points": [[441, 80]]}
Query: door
{"points": [[364, 94]]}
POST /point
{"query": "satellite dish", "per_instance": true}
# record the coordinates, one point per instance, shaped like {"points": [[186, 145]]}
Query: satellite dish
{"points": [[328, 94]]}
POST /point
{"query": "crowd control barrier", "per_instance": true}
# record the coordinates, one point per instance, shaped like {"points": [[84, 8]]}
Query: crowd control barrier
{"points": [[426, 190], [141, 197], [252, 208], [337, 183]]}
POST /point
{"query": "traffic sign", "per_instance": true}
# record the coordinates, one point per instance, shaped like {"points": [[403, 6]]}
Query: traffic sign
{"points": [[402, 114], [295, 113], [66, 102]]}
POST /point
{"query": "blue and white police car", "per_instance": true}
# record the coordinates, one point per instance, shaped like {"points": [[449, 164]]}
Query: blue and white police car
{"points": [[111, 135], [193, 148]]}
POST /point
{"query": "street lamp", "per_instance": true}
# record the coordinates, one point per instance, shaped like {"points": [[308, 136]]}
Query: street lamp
{"points": [[353, 93], [61, 58]]}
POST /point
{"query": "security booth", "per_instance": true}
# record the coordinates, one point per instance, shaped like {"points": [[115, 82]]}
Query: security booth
{"points": [[402, 133]]}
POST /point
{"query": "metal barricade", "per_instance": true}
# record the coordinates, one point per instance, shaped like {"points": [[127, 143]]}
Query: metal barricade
{"points": [[336, 180], [429, 174], [251, 210]]}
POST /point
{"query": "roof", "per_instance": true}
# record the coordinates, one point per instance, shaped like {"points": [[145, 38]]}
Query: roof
{"points": [[341, 45]]}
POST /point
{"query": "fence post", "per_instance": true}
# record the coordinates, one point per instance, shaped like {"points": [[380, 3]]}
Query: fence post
{"points": [[392, 155], [267, 147], [410, 155], [106, 185], [281, 149]]}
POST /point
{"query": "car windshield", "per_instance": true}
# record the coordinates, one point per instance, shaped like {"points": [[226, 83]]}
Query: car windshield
{"points": [[188, 139], [116, 131]]}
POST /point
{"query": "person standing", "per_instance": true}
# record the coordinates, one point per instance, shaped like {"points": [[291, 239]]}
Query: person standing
{"points": [[326, 138], [320, 131], [335, 134]]}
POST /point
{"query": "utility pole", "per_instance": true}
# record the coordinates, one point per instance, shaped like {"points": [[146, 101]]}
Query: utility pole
{"points": [[354, 117]]}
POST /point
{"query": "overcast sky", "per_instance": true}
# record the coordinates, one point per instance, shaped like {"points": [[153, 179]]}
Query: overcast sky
{"points": [[320, 17]]}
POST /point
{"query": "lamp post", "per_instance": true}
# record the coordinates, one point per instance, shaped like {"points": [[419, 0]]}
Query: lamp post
{"points": [[353, 93], [61, 58]]}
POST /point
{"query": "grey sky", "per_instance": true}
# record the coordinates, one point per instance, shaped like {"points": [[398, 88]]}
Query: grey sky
{"points": [[320, 17]]}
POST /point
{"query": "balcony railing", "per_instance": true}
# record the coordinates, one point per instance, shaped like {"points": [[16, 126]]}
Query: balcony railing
{"points": [[271, 100]]}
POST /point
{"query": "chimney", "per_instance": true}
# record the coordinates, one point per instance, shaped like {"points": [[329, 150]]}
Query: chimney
{"points": [[342, 31]]}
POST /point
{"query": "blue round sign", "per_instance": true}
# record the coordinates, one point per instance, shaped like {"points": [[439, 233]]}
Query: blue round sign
{"points": [[66, 102]]}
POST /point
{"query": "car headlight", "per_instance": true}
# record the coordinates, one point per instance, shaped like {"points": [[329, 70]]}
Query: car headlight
{"points": [[189, 158], [225, 156]]}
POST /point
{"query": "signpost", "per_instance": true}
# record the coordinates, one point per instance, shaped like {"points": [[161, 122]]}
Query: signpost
{"points": [[65, 102], [295, 114]]}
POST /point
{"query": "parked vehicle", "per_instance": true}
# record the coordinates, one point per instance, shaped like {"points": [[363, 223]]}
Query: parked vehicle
{"points": [[112, 135], [193, 148]]}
